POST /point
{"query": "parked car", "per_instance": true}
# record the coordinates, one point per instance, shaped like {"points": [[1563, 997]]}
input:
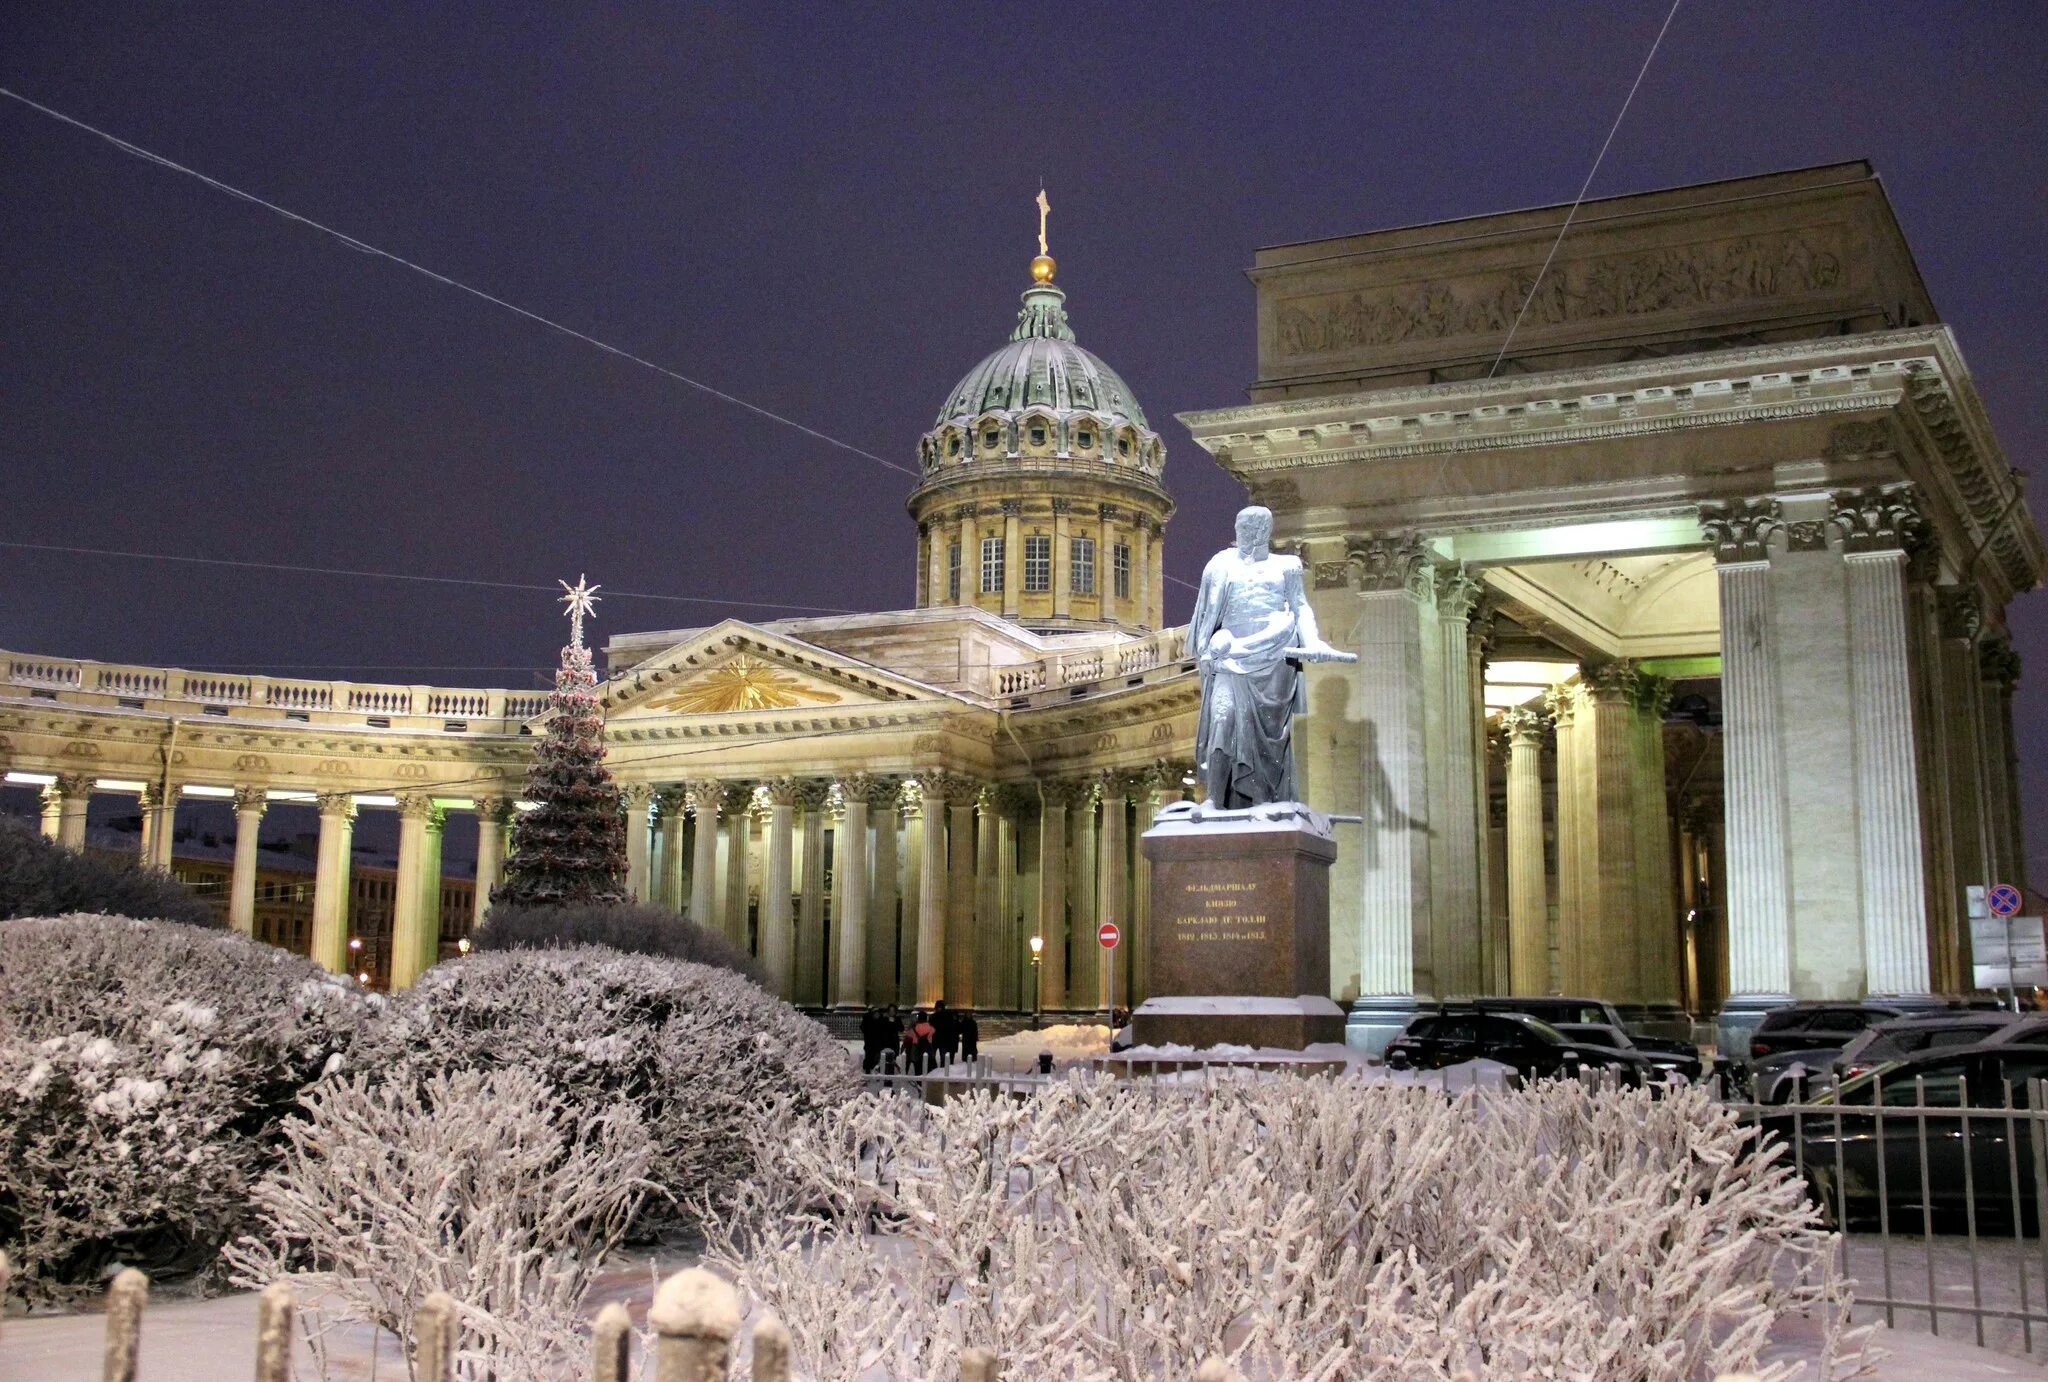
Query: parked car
{"points": [[1969, 1160], [1808, 1035], [1782, 1078], [1535, 1049], [1684, 1065], [1561, 1011]]}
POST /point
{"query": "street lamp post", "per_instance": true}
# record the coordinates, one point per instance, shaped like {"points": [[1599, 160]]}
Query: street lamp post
{"points": [[1037, 977]]}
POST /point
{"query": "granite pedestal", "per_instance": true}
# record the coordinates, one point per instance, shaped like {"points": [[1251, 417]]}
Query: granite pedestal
{"points": [[1240, 942]]}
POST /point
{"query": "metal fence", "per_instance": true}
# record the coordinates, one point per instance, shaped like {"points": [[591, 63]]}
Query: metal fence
{"points": [[1938, 1198]]}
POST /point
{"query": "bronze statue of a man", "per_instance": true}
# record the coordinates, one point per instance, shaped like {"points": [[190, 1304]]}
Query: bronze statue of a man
{"points": [[1251, 632]]}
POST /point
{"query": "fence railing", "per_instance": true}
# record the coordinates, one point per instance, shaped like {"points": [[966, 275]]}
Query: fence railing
{"points": [[1938, 1196]]}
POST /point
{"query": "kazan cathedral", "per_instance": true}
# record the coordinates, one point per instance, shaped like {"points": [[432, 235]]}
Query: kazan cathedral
{"points": [[1683, 673]]}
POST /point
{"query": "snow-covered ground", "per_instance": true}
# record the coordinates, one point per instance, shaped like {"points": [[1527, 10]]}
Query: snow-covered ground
{"points": [[215, 1340]]}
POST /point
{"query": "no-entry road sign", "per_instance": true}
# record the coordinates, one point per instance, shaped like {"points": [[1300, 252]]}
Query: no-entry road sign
{"points": [[2004, 900], [1109, 934]]}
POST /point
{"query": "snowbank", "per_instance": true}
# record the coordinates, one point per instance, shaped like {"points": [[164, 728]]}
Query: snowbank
{"points": [[1067, 1041]]}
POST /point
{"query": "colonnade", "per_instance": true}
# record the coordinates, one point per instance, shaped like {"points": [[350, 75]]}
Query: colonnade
{"points": [[873, 888], [416, 902]]}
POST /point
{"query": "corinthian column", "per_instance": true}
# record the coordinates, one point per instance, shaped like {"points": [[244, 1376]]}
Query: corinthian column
{"points": [[931, 891], [707, 798], [739, 830], [53, 812], [1528, 887], [1875, 524], [1394, 581], [1454, 815], [1084, 957], [850, 885], [493, 824], [331, 880], [960, 894], [884, 817], [672, 804], [778, 925], [1759, 919], [74, 790], [1113, 882], [249, 805], [412, 948], [638, 797], [809, 986], [1052, 888], [989, 930], [160, 824]]}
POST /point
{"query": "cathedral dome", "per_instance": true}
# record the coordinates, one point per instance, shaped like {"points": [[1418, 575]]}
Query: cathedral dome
{"points": [[1041, 495], [1041, 366]]}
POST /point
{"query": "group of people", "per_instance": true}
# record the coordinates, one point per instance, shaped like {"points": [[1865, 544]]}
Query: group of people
{"points": [[927, 1040]]}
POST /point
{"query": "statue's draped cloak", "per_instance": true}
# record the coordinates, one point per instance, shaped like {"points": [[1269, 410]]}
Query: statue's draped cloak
{"points": [[1242, 742]]}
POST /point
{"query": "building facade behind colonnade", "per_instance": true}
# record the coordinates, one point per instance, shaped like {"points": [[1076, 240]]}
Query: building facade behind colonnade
{"points": [[1683, 676]]}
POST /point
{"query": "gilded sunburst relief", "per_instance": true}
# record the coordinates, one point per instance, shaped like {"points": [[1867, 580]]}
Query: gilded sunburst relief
{"points": [[745, 683]]}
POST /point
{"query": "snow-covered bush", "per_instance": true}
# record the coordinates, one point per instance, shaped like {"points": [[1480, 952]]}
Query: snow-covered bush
{"points": [[1301, 1228], [488, 1186], [41, 878], [714, 1064], [634, 927], [144, 1070]]}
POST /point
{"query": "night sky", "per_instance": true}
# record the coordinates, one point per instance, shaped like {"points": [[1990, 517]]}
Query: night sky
{"points": [[825, 211]]}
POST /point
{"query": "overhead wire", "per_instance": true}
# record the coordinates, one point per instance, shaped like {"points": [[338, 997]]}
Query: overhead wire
{"points": [[363, 247]]}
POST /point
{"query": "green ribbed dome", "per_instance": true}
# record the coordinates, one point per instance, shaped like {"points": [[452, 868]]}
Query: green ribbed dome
{"points": [[1042, 367]]}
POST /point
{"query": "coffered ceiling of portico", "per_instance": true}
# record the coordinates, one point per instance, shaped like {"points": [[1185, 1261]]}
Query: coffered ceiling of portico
{"points": [[1652, 605]]}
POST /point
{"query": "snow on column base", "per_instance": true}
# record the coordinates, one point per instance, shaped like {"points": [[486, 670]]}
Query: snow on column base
{"points": [[1377, 1020], [1237, 1020]]}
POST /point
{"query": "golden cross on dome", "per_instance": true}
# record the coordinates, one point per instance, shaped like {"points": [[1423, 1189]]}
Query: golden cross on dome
{"points": [[1044, 208], [581, 599]]}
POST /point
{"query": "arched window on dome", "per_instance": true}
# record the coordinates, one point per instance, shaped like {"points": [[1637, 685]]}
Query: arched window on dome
{"points": [[1123, 445], [953, 444], [991, 438], [1084, 436]]}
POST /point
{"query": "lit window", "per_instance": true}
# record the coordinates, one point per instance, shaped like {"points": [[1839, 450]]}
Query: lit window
{"points": [[1037, 565], [1120, 569], [991, 566], [953, 574], [1038, 436], [1083, 555]]}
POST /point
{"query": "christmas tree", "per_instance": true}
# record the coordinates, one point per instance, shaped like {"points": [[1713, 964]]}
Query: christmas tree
{"points": [[571, 847]]}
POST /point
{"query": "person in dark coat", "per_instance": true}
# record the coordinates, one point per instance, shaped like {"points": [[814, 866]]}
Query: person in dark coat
{"points": [[871, 1038], [946, 1023], [970, 1036]]}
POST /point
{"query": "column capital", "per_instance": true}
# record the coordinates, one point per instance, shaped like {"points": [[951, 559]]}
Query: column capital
{"points": [[1457, 593], [1997, 663], [73, 784], [255, 799], [671, 802], [885, 793], [340, 804], [1117, 784], [156, 794], [1012, 508], [496, 810], [1561, 702], [1011, 798], [782, 791], [812, 793], [1653, 693], [1959, 611], [1523, 725], [1611, 681], [1389, 562], [1066, 792], [858, 787], [705, 795], [736, 798], [1740, 528], [415, 806], [1879, 518], [636, 795]]}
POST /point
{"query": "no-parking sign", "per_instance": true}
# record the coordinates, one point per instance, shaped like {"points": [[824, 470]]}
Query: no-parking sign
{"points": [[2004, 900]]}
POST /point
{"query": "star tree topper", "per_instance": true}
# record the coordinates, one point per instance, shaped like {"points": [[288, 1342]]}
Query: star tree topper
{"points": [[580, 599]]}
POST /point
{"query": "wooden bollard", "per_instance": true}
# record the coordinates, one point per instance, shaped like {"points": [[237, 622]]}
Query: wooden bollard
{"points": [[125, 1299], [434, 1332], [977, 1365], [695, 1316], [771, 1350], [612, 1343], [274, 1311]]}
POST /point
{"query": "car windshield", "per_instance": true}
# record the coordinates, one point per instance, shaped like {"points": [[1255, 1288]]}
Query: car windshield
{"points": [[1595, 1034], [1544, 1032]]}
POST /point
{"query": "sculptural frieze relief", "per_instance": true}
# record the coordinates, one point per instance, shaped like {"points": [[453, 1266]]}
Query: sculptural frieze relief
{"points": [[1742, 269]]}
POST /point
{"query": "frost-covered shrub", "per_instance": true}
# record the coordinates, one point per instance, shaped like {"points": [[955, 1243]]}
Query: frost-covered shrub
{"points": [[714, 1064], [488, 1186], [41, 878], [144, 1070], [633, 927], [1301, 1228]]}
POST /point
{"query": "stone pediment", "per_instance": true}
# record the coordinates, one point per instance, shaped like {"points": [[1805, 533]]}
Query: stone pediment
{"points": [[737, 667]]}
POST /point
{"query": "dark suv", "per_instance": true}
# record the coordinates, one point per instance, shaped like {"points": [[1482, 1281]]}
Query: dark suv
{"points": [[1535, 1049], [1561, 1012]]}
